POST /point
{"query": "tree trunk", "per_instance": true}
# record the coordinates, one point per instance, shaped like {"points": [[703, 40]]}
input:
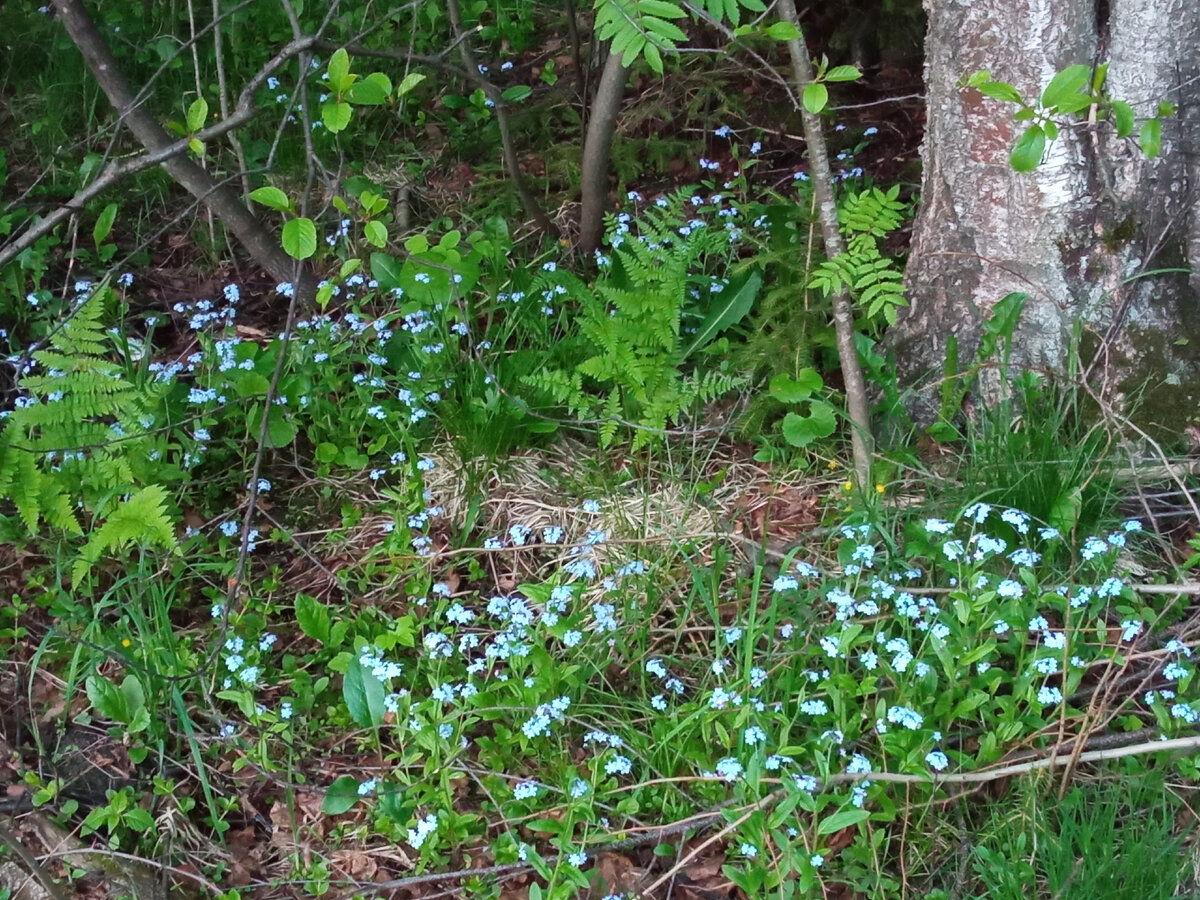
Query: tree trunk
{"points": [[1087, 234], [220, 197]]}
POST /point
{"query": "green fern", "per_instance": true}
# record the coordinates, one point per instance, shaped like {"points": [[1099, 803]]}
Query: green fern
{"points": [[631, 342], [874, 280], [141, 518], [80, 436]]}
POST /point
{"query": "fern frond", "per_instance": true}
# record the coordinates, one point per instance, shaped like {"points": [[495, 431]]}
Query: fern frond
{"points": [[140, 519]]}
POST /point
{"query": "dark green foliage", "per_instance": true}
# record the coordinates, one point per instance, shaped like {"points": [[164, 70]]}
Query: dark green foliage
{"points": [[634, 352], [80, 439]]}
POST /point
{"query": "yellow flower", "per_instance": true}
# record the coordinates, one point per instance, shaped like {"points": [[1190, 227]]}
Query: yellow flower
{"points": [[833, 464], [879, 488], [848, 486], [126, 642]]}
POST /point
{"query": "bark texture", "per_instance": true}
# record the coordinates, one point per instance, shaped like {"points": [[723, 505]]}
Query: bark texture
{"points": [[1085, 235]]}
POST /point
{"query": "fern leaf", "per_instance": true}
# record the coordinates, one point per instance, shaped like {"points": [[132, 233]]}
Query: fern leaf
{"points": [[140, 519]]}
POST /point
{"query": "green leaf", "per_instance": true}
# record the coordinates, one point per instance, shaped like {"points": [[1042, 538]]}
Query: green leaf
{"points": [[410, 81], [800, 431], [1067, 82], [196, 146], [336, 116], [300, 238], [816, 97], [370, 91], [280, 430], [104, 224], [783, 31], [340, 796], [654, 59], [1064, 512], [516, 93], [999, 90], [416, 244], [1151, 137], [1074, 103], [843, 73], [660, 8], [1123, 118], [106, 698], [1027, 154], [339, 70], [386, 270], [788, 390], [135, 697], [313, 617], [197, 114], [137, 819], [376, 233], [843, 819], [272, 197], [734, 306], [363, 695]]}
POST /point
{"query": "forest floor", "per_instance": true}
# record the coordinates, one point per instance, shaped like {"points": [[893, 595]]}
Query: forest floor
{"points": [[423, 664]]}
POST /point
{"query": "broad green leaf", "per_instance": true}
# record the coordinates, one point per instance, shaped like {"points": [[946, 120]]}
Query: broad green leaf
{"points": [[816, 97], [300, 238], [1027, 154], [418, 243], [516, 93], [1123, 118], [312, 615], [1151, 137], [137, 819], [800, 431], [843, 73], [106, 698], [280, 430], [783, 31], [339, 70], [999, 90], [336, 116], [843, 819], [386, 270], [410, 81], [197, 114], [1067, 82], [104, 224], [364, 695], [376, 233], [731, 308], [340, 796], [272, 197], [795, 390], [1074, 103], [196, 146], [368, 92], [135, 696], [450, 239]]}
